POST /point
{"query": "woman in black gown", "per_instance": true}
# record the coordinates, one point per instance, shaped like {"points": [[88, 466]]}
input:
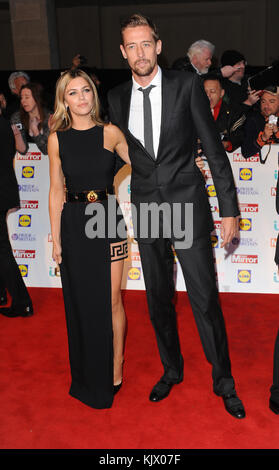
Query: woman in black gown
{"points": [[81, 153]]}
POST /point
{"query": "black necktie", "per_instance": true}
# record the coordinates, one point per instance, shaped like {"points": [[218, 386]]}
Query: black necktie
{"points": [[147, 118]]}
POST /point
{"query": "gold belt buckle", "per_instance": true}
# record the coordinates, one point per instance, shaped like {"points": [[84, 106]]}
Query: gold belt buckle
{"points": [[92, 196]]}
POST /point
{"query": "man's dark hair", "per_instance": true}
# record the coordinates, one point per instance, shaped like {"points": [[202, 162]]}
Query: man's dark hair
{"points": [[137, 19], [213, 76]]}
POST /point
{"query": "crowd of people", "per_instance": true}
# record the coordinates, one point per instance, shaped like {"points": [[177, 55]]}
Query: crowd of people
{"points": [[156, 122], [242, 115]]}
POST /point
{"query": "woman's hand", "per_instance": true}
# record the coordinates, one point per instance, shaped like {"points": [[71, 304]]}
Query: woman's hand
{"points": [[57, 253]]}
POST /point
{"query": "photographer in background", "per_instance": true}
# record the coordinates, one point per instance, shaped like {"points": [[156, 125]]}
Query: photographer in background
{"points": [[236, 85], [10, 276], [261, 127]]}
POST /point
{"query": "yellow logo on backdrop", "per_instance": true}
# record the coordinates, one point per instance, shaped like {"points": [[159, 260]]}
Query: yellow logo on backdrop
{"points": [[24, 220], [214, 240], [244, 276], [27, 172], [134, 274], [211, 191], [23, 269], [245, 174], [245, 224]]}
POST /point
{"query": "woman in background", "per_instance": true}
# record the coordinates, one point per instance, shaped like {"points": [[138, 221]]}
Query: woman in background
{"points": [[31, 122]]}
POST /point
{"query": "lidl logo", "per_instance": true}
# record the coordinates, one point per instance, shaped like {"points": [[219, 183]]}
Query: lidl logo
{"points": [[214, 241], [211, 191], [245, 224], [23, 269], [24, 220], [28, 172], [245, 174], [244, 276], [134, 274]]}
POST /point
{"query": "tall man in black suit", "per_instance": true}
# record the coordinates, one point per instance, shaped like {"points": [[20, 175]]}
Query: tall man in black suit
{"points": [[161, 125], [10, 276]]}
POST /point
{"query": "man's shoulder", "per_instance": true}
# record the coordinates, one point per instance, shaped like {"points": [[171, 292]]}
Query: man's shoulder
{"points": [[181, 77]]}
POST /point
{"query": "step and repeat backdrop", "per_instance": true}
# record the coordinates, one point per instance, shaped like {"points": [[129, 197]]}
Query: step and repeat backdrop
{"points": [[246, 266]]}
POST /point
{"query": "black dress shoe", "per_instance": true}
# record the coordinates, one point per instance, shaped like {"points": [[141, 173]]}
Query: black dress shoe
{"points": [[3, 298], [274, 406], [234, 405], [116, 388], [161, 390], [15, 311]]}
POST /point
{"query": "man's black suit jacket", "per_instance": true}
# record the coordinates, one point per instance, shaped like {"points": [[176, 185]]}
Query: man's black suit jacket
{"points": [[230, 123], [9, 196], [174, 177]]}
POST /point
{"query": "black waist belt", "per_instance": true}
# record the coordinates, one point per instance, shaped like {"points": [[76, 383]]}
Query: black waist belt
{"points": [[94, 195]]}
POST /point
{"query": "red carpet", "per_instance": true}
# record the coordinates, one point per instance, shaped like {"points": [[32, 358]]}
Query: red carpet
{"points": [[38, 413]]}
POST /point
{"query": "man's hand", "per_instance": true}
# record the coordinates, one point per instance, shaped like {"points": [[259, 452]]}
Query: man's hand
{"points": [[229, 229], [268, 131], [253, 97], [228, 70], [199, 162]]}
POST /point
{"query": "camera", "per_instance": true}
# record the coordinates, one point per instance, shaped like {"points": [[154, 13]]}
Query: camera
{"points": [[272, 119]]}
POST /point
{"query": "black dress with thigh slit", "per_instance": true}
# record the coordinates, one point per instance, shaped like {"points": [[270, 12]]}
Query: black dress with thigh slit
{"points": [[86, 264]]}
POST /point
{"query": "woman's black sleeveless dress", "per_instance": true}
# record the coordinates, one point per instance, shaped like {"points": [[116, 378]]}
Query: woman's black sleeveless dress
{"points": [[85, 267]]}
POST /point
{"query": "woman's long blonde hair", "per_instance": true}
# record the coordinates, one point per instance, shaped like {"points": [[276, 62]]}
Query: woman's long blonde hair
{"points": [[62, 119]]}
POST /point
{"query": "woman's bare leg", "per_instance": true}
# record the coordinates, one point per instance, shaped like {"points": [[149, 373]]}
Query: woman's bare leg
{"points": [[118, 319]]}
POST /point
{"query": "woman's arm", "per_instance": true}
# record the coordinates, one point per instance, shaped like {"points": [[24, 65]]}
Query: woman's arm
{"points": [[56, 195], [19, 133], [41, 137], [20, 144], [115, 140]]}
